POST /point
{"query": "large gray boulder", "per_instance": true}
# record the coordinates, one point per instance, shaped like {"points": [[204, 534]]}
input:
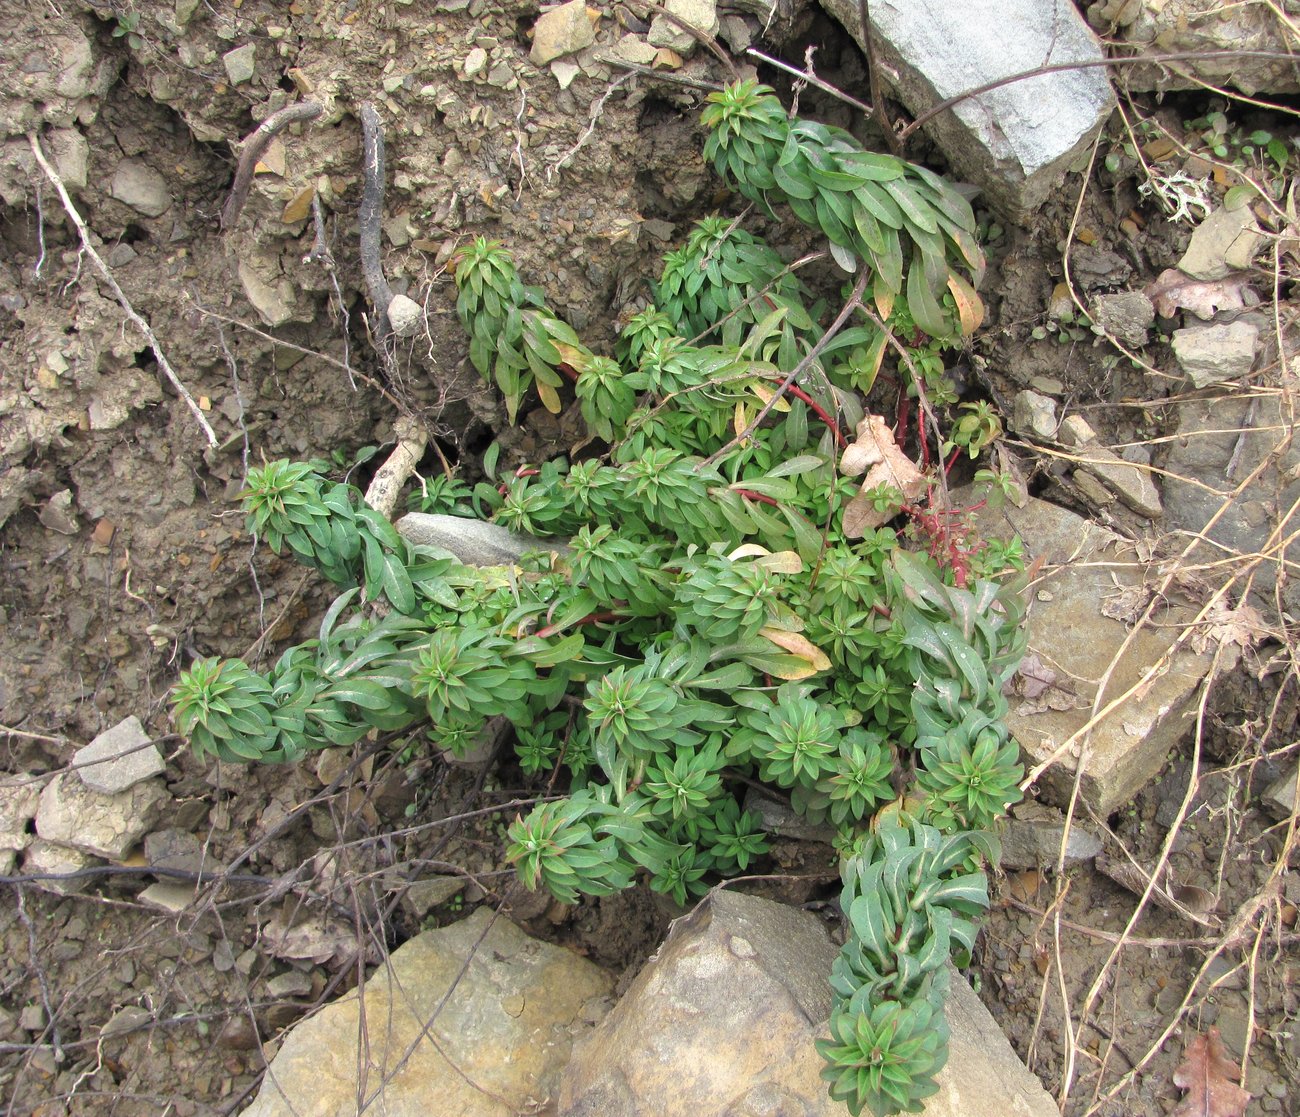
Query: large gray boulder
{"points": [[722, 1022], [474, 1019], [1017, 141]]}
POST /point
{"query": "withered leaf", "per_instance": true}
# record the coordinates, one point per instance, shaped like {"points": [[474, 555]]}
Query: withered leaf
{"points": [[1209, 1077], [1243, 626], [875, 454], [1172, 291]]}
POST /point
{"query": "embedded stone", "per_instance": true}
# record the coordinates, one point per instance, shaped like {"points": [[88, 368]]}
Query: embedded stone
{"points": [[139, 186], [563, 30], [119, 758]]}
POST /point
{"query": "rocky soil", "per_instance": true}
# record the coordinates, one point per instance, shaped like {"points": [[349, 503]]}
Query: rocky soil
{"points": [[132, 985]]}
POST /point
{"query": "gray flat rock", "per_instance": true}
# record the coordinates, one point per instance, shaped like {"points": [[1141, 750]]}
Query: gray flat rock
{"points": [[1090, 571], [1017, 141], [474, 542], [1214, 354], [119, 758]]}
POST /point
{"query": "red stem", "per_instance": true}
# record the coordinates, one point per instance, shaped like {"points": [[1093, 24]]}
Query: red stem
{"points": [[590, 618], [748, 495], [820, 412]]}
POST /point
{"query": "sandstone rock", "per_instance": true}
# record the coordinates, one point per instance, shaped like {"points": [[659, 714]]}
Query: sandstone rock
{"points": [[58, 514], [57, 860], [722, 1021], [667, 35], [1090, 569], [100, 825], [18, 803], [492, 1050], [1127, 480], [1213, 354], [1170, 26], [1223, 243], [1017, 141], [1125, 315], [474, 542], [119, 758], [139, 186], [175, 849], [475, 62], [274, 303], [1279, 796], [1034, 415], [240, 63], [168, 897], [562, 30]]}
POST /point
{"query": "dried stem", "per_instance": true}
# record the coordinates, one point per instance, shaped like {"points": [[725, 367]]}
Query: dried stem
{"points": [[371, 214], [252, 150]]}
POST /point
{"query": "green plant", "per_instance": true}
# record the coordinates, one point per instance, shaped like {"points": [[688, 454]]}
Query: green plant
{"points": [[126, 28], [710, 626]]}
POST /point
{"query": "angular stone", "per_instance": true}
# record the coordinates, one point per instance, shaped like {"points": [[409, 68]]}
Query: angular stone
{"points": [[1125, 315], [1090, 568], [474, 542], [57, 860], [274, 304], [475, 62], [1279, 796], [667, 35], [777, 817], [168, 896], [1214, 354], [1017, 141], [101, 825], [1223, 243], [723, 1020], [139, 186], [1034, 415], [1127, 480], [565, 71], [1217, 445], [633, 48], [119, 758], [175, 849], [406, 316], [18, 802], [240, 63], [70, 153], [562, 30], [499, 1041], [1031, 838]]}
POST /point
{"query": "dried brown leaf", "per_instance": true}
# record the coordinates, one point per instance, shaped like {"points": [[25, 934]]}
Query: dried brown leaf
{"points": [[1172, 291], [1209, 1077], [1243, 626], [875, 453], [1032, 677]]}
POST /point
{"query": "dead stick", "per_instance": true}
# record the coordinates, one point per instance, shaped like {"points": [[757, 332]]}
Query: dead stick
{"points": [[253, 148], [393, 474], [123, 301], [371, 214], [873, 77]]}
